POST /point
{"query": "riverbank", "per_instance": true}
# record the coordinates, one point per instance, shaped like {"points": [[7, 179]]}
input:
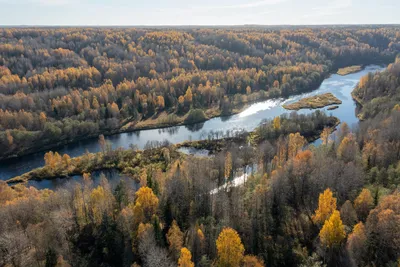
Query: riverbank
{"points": [[359, 104], [127, 161], [247, 120], [255, 138], [133, 162], [159, 121]]}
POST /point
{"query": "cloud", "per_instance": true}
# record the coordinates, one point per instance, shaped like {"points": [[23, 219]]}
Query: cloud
{"points": [[42, 2], [335, 5], [334, 8], [224, 7], [251, 4], [52, 2]]}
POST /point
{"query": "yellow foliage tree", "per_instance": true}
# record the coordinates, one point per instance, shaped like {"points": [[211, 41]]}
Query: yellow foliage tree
{"points": [[185, 260], [181, 100], [66, 160], [146, 204], [101, 202], [248, 90], [52, 160], [363, 81], [114, 109], [175, 239], [364, 203], [143, 230], [10, 138], [326, 206], [160, 102], [277, 123], [189, 96], [332, 233], [325, 136], [252, 261], [95, 103], [228, 165], [6, 193], [347, 149], [356, 243], [42, 118], [296, 143], [229, 248], [80, 206]]}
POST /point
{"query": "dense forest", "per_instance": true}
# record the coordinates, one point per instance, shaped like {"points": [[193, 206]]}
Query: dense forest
{"points": [[336, 204], [59, 85]]}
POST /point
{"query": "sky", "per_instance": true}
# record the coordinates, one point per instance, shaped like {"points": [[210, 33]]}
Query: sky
{"points": [[197, 12]]}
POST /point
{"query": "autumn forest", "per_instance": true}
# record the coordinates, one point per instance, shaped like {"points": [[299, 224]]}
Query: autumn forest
{"points": [[299, 190]]}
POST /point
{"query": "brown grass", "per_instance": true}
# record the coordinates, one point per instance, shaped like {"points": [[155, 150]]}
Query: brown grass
{"points": [[314, 102], [349, 70]]}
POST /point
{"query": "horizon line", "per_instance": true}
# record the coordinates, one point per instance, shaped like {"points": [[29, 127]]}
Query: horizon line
{"points": [[191, 25]]}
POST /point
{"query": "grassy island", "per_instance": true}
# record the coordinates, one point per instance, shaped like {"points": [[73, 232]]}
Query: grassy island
{"points": [[349, 70], [314, 102]]}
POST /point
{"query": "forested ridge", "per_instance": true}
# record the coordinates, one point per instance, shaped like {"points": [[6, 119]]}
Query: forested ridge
{"points": [[337, 204], [61, 84], [379, 93]]}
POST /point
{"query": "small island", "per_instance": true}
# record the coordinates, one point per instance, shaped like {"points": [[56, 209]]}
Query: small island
{"points": [[314, 102], [349, 70], [333, 108]]}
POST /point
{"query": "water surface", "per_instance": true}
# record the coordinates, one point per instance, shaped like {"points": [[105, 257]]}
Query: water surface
{"points": [[113, 176], [249, 119]]}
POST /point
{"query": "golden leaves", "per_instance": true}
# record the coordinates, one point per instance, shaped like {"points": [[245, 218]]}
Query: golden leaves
{"points": [[277, 123], [175, 239], [326, 206], [364, 203], [332, 233], [146, 203], [230, 248], [185, 259], [228, 165]]}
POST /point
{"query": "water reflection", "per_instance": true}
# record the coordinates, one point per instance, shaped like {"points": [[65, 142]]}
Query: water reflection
{"points": [[195, 127], [113, 176], [249, 119], [169, 130]]}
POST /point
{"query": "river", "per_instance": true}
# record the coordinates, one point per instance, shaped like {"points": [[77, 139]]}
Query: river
{"points": [[249, 119]]}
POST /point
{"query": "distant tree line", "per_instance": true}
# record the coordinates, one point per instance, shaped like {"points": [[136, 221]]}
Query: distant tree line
{"points": [[63, 84]]}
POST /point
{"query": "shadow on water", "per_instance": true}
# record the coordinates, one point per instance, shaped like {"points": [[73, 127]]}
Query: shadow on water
{"points": [[195, 127], [226, 118], [169, 130], [113, 176]]}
